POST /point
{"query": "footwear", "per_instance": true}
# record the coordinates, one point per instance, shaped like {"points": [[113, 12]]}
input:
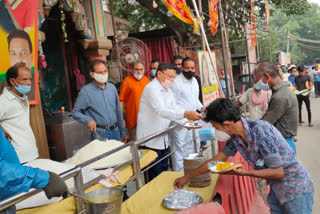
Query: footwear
{"points": [[310, 125]]}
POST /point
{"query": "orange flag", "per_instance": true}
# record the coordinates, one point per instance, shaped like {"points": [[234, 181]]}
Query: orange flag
{"points": [[214, 16], [180, 9], [253, 27], [268, 14]]}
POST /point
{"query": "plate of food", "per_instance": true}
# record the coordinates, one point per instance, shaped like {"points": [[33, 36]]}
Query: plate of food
{"points": [[181, 199], [222, 167], [193, 124]]}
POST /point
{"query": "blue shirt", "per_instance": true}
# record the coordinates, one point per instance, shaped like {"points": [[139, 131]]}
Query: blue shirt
{"points": [[266, 143], [291, 79], [101, 105], [14, 177], [316, 76]]}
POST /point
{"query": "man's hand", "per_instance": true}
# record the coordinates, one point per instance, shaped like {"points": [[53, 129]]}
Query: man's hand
{"points": [[92, 126], [192, 115], [56, 187], [124, 139], [124, 124], [181, 182], [239, 172]]}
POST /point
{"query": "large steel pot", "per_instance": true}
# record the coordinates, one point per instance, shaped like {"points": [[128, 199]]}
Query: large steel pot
{"points": [[106, 201]]}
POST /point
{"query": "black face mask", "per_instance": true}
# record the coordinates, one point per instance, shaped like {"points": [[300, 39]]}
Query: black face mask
{"points": [[178, 70], [188, 74]]}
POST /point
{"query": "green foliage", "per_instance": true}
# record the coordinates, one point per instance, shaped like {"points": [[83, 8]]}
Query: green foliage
{"points": [[304, 26]]}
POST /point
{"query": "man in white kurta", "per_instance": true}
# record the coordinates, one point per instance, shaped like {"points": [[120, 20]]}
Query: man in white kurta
{"points": [[14, 112], [157, 108], [186, 92]]}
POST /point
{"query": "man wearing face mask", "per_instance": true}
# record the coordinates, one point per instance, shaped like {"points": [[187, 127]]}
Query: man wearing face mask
{"points": [[153, 68], [14, 114], [186, 91], [98, 105], [130, 94], [177, 61], [283, 107], [257, 100], [157, 108], [264, 148]]}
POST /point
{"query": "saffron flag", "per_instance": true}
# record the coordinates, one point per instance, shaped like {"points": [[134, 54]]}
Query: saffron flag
{"points": [[180, 9], [267, 14], [253, 27], [214, 16]]}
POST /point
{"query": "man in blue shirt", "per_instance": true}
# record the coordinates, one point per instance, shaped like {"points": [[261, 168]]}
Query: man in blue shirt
{"points": [[16, 178], [316, 79], [263, 147], [98, 105]]}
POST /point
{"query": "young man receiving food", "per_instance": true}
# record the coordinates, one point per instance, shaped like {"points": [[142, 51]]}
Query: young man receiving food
{"points": [[263, 147]]}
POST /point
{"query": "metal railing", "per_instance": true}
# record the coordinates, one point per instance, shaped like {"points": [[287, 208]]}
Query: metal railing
{"points": [[76, 173]]}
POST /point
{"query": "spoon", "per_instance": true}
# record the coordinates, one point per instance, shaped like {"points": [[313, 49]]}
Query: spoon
{"points": [[101, 138]]}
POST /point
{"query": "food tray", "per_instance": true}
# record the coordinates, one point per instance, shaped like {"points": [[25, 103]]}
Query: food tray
{"points": [[213, 168], [181, 199], [121, 164], [195, 125]]}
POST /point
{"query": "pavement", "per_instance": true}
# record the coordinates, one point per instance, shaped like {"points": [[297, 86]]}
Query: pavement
{"points": [[308, 147]]}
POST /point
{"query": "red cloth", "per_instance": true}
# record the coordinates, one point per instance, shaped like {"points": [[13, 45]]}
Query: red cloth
{"points": [[206, 208], [262, 100], [160, 48]]}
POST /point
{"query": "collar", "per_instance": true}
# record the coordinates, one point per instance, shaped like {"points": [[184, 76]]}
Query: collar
{"points": [[280, 85], [11, 96], [158, 85], [97, 86]]}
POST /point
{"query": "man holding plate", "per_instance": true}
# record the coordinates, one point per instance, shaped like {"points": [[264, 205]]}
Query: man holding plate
{"points": [[263, 147]]}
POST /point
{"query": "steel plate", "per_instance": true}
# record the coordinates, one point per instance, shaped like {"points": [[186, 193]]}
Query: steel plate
{"points": [[181, 199]]}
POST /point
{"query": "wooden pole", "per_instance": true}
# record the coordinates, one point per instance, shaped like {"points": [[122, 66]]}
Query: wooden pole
{"points": [[114, 38], [247, 53]]}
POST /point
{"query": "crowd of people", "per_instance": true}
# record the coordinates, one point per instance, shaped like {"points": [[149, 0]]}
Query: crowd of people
{"points": [[172, 96]]}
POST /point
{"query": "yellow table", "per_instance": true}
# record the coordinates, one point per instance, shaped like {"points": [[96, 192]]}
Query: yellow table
{"points": [[67, 206], [148, 199]]}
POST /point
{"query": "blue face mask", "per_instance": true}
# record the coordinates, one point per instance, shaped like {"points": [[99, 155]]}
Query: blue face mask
{"points": [[23, 89], [153, 72], [262, 85], [257, 87]]}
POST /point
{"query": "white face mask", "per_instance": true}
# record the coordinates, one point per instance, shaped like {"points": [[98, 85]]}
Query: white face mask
{"points": [[222, 136], [101, 78], [138, 76]]}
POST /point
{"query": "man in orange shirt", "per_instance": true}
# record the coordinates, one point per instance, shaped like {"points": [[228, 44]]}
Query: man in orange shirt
{"points": [[130, 94]]}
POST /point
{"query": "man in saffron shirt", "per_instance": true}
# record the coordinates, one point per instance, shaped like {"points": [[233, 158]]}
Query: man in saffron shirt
{"points": [[130, 94]]}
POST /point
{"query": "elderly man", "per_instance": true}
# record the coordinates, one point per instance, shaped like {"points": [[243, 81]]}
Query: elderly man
{"points": [[157, 108], [263, 147], [283, 107], [16, 178], [130, 94], [98, 105], [15, 115], [186, 91]]}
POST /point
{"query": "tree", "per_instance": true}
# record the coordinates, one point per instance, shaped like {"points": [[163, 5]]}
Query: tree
{"points": [[143, 16], [304, 26]]}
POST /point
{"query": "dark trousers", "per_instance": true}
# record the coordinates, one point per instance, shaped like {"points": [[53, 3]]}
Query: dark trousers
{"points": [[317, 88], [10, 210], [159, 167], [306, 100]]}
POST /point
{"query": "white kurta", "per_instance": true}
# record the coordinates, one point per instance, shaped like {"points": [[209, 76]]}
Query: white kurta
{"points": [[15, 121], [156, 109], [187, 95]]}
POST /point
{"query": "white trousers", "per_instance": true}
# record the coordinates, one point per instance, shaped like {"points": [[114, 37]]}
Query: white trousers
{"points": [[183, 145]]}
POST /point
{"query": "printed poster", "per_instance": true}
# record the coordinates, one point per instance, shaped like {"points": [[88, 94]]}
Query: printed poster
{"points": [[18, 40], [209, 81]]}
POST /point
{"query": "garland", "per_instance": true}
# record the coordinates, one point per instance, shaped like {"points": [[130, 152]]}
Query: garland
{"points": [[63, 24]]}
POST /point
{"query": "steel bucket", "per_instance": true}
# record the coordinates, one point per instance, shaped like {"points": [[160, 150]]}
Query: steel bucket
{"points": [[106, 201]]}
